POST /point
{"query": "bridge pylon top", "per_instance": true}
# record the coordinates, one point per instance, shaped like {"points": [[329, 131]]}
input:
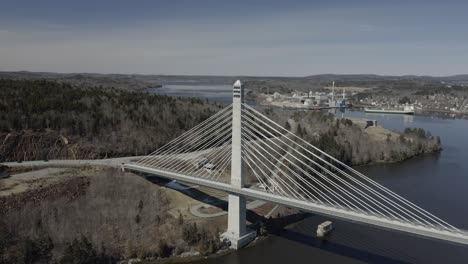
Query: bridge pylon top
{"points": [[238, 92]]}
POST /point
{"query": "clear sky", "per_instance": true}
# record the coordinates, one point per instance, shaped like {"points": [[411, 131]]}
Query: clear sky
{"points": [[216, 37]]}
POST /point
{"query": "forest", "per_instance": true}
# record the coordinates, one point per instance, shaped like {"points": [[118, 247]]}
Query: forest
{"points": [[43, 119], [353, 143]]}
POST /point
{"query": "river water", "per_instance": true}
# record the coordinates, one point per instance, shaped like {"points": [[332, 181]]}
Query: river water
{"points": [[220, 93], [435, 182]]}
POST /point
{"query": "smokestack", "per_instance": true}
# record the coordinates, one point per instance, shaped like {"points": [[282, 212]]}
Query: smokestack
{"points": [[333, 91]]}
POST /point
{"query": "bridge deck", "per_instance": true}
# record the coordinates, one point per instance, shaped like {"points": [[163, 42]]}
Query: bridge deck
{"points": [[312, 207]]}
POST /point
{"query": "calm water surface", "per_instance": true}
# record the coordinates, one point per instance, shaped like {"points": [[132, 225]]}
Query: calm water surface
{"points": [[220, 93], [436, 182]]}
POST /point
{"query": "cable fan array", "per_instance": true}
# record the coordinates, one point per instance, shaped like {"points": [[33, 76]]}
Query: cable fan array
{"points": [[204, 151], [287, 165]]}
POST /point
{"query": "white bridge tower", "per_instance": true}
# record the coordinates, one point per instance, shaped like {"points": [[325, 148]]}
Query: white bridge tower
{"points": [[237, 231]]}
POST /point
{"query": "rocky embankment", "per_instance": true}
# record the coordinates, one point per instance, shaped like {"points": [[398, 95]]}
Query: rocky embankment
{"points": [[45, 145]]}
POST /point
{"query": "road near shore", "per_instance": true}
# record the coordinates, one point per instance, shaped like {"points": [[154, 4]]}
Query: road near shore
{"points": [[113, 162]]}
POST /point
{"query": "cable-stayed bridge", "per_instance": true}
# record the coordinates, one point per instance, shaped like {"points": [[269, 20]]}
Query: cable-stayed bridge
{"points": [[244, 153]]}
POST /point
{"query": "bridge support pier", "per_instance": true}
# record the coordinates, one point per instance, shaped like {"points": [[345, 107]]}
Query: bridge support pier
{"points": [[237, 232]]}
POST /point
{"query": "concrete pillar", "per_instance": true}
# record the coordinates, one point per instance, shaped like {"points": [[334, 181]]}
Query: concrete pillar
{"points": [[236, 221], [237, 232]]}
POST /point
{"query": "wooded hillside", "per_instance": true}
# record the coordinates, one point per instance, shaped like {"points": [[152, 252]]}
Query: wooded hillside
{"points": [[355, 144], [88, 122]]}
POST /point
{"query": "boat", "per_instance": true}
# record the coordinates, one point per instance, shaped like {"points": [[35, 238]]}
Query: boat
{"points": [[324, 229], [407, 110]]}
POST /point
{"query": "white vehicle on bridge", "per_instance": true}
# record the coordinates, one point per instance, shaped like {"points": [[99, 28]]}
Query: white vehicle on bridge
{"points": [[200, 162]]}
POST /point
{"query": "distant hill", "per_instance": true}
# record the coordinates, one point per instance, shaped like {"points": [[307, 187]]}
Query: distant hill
{"points": [[141, 82], [455, 78], [374, 77], [119, 81]]}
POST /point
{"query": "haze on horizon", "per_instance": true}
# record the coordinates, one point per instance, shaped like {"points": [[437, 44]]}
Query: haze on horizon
{"points": [[260, 37]]}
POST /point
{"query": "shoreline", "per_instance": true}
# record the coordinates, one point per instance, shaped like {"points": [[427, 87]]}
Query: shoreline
{"points": [[423, 112], [299, 217]]}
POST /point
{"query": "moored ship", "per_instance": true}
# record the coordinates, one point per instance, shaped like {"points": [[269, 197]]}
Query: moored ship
{"points": [[407, 110]]}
